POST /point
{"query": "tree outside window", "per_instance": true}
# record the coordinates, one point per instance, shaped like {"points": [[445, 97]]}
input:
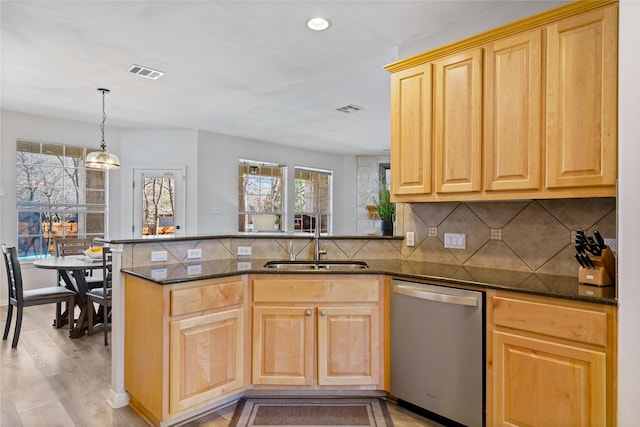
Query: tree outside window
{"points": [[312, 199], [56, 197]]}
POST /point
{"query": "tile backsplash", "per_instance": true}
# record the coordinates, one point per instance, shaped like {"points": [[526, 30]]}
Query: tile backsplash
{"points": [[526, 235]]}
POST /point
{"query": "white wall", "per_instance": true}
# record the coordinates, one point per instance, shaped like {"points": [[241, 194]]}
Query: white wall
{"points": [[629, 215], [218, 175]]}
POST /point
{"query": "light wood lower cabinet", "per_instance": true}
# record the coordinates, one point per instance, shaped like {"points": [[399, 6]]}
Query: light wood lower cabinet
{"points": [[184, 345], [552, 362], [324, 332], [206, 357]]}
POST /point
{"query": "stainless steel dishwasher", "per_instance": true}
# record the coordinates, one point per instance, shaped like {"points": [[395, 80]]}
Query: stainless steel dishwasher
{"points": [[437, 352]]}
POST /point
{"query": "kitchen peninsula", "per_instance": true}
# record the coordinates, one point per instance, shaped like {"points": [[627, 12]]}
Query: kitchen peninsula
{"points": [[174, 310]]}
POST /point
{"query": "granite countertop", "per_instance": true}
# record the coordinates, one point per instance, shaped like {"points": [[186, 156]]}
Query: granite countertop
{"points": [[564, 287]]}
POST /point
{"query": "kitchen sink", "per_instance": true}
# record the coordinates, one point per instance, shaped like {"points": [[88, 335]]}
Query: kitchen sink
{"points": [[307, 265]]}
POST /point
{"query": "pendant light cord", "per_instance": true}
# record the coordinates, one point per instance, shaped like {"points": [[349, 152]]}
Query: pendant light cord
{"points": [[104, 119]]}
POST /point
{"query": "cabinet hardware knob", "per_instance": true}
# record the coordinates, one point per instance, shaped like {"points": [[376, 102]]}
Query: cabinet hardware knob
{"points": [[307, 313], [323, 313]]}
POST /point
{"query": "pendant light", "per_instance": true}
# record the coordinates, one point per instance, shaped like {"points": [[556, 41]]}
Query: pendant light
{"points": [[102, 159]]}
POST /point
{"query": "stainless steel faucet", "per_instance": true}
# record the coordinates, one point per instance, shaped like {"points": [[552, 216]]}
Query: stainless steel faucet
{"points": [[317, 252]]}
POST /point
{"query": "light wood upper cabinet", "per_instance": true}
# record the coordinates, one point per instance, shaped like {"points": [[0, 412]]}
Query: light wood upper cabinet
{"points": [[411, 130], [582, 100], [458, 122], [513, 114], [524, 111]]}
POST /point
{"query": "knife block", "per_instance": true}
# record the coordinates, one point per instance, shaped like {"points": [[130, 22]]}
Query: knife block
{"points": [[604, 271]]}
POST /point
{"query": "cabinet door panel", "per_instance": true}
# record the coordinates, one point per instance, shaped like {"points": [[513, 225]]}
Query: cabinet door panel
{"points": [[582, 101], [283, 345], [348, 345], [207, 357], [513, 116], [458, 122], [411, 131], [540, 383]]}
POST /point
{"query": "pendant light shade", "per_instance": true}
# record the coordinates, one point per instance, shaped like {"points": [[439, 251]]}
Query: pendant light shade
{"points": [[102, 159]]}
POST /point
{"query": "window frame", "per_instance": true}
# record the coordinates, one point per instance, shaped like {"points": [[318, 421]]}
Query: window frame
{"points": [[65, 199], [247, 217], [326, 218]]}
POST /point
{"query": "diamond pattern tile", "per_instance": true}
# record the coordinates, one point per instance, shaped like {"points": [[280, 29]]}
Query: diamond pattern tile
{"points": [[463, 220], [579, 213], [497, 214], [495, 254], [535, 235], [432, 214]]}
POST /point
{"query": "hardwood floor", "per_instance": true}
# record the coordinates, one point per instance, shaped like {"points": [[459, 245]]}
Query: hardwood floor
{"points": [[52, 380]]}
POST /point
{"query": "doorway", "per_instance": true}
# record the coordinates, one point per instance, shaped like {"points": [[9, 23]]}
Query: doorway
{"points": [[158, 203]]}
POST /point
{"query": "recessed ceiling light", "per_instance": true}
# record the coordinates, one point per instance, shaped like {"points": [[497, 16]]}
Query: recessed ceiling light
{"points": [[317, 24]]}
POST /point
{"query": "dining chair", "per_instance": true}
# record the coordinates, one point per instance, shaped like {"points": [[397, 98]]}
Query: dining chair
{"points": [[20, 298], [75, 246], [101, 296]]}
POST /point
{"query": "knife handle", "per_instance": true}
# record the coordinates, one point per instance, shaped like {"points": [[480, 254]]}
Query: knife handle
{"points": [[580, 261], [587, 261], [599, 239]]}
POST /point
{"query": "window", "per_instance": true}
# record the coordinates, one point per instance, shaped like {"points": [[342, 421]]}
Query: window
{"points": [[260, 196], [56, 196], [313, 199]]}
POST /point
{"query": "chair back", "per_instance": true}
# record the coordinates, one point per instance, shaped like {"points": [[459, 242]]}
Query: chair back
{"points": [[106, 268], [72, 246], [14, 273]]}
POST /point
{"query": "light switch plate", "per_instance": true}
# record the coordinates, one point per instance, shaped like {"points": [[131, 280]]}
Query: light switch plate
{"points": [[455, 241], [194, 253], [244, 250], [411, 238], [158, 256]]}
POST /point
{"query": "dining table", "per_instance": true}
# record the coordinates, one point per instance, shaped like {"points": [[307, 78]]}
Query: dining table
{"points": [[72, 270]]}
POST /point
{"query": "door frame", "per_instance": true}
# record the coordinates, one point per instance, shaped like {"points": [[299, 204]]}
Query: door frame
{"points": [[179, 214]]}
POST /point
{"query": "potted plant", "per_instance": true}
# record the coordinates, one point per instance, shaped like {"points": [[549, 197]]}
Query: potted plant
{"points": [[386, 211]]}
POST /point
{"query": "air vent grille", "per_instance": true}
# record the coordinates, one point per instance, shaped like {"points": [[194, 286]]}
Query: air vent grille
{"points": [[349, 109], [147, 72]]}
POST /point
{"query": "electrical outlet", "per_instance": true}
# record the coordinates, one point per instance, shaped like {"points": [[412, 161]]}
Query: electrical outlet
{"points": [[613, 245], [159, 273], [194, 253], [244, 265], [244, 250], [158, 256], [455, 241], [194, 269], [410, 238]]}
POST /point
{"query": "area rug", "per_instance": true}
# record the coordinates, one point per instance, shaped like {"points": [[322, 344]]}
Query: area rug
{"points": [[251, 412]]}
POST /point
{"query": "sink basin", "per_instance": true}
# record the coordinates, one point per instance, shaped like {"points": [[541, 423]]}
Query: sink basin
{"points": [[307, 265]]}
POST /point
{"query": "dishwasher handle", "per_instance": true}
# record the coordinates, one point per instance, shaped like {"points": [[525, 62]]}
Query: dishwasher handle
{"points": [[412, 291]]}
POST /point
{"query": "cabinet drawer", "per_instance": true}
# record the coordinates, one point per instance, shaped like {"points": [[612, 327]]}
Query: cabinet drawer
{"points": [[556, 321], [207, 297], [319, 290]]}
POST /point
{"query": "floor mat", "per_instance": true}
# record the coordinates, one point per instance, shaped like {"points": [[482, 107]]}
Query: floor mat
{"points": [[311, 412]]}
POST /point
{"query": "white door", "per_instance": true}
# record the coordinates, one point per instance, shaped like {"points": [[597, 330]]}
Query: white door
{"points": [[158, 202]]}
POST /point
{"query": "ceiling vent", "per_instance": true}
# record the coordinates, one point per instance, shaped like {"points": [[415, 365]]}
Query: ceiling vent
{"points": [[147, 72], [349, 109]]}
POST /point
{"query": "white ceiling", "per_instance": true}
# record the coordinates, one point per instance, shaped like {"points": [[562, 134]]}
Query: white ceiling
{"points": [[245, 68]]}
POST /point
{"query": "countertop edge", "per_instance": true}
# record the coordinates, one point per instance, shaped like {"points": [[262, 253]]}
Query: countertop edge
{"points": [[376, 271]]}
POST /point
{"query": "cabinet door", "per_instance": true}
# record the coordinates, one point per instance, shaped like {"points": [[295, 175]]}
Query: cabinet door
{"points": [[348, 346], [458, 122], [411, 130], [582, 100], [207, 357], [513, 115], [282, 345], [542, 383]]}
